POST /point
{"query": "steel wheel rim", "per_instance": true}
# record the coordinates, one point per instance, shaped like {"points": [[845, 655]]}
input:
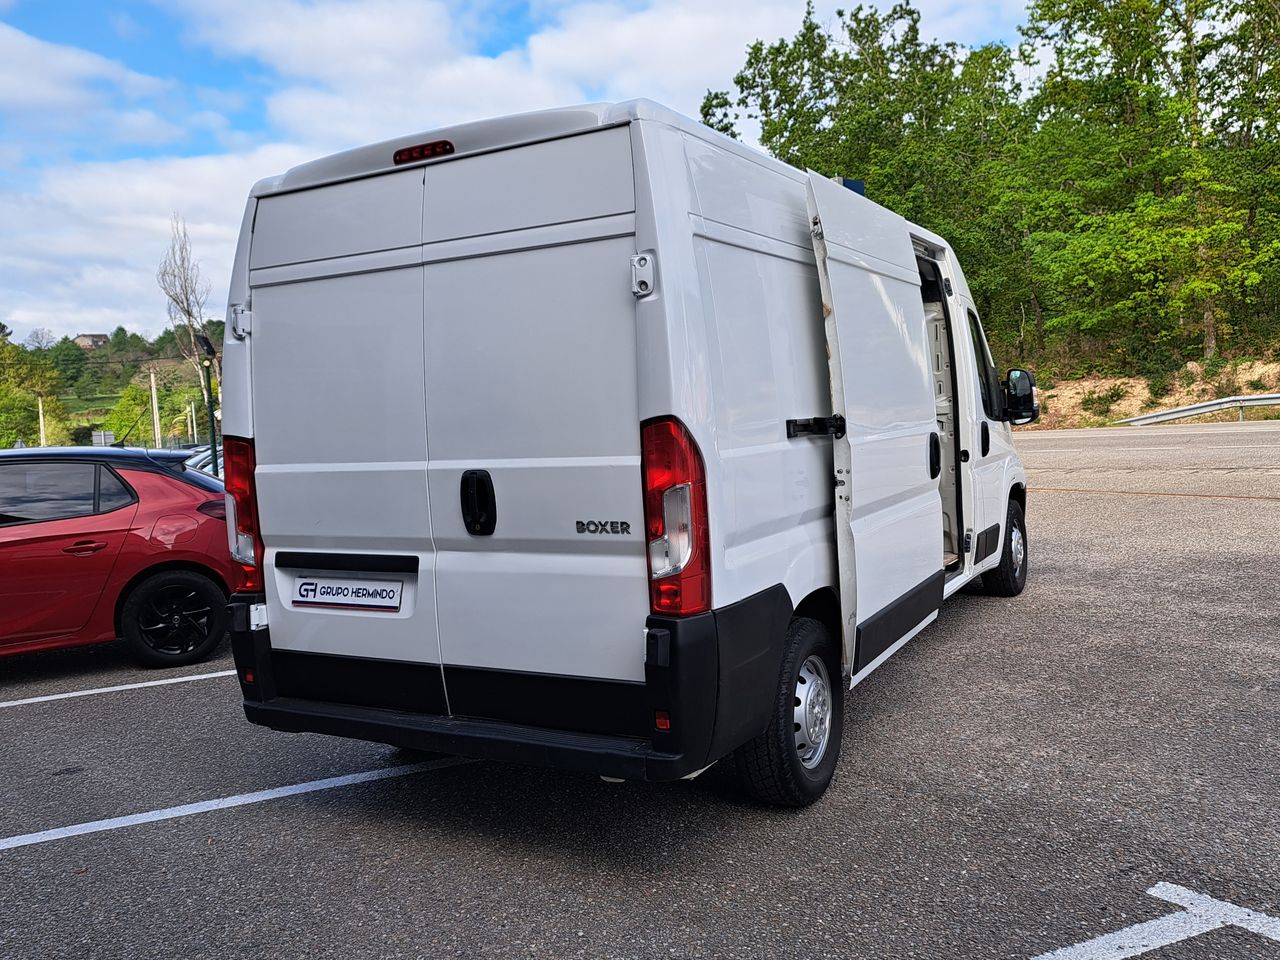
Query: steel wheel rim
{"points": [[1017, 546], [174, 620], [812, 718]]}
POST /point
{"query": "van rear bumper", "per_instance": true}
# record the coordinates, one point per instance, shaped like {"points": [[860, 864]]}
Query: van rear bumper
{"points": [[714, 675]]}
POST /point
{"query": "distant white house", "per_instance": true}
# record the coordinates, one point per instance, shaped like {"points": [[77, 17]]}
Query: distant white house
{"points": [[91, 341]]}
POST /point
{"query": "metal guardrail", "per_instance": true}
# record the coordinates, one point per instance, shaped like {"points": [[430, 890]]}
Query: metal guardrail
{"points": [[1207, 406]]}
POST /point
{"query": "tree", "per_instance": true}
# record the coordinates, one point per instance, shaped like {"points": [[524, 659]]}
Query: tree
{"points": [[1120, 215], [39, 339], [19, 417], [131, 417], [68, 359], [186, 294]]}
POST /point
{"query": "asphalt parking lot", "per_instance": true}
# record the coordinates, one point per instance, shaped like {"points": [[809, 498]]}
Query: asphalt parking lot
{"points": [[1013, 782]]}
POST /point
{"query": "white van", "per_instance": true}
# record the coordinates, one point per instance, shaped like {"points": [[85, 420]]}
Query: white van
{"points": [[595, 439]]}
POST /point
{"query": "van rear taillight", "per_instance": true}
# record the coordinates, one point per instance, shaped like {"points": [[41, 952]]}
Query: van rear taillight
{"points": [[675, 519], [242, 510]]}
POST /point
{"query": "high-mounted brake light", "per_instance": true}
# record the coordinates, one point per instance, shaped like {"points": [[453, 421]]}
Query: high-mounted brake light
{"points": [[675, 519], [422, 151], [243, 532]]}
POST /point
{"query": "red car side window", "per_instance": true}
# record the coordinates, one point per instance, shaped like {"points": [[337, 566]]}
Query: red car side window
{"points": [[31, 492]]}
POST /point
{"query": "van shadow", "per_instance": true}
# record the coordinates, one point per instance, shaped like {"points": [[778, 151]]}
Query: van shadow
{"points": [[556, 815], [552, 815]]}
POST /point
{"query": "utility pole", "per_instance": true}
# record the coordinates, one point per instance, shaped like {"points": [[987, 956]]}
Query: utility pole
{"points": [[206, 345], [155, 410], [40, 404]]}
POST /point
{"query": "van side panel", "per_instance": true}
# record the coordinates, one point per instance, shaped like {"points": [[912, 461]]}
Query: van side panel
{"points": [[766, 364]]}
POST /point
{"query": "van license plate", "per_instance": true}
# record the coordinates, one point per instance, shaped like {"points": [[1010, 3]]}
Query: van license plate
{"points": [[338, 594]]}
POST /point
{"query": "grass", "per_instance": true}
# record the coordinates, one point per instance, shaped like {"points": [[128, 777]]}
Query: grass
{"points": [[73, 404], [1099, 404]]}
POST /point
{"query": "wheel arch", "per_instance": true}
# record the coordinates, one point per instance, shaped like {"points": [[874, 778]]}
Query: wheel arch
{"points": [[823, 605], [1018, 494], [164, 567]]}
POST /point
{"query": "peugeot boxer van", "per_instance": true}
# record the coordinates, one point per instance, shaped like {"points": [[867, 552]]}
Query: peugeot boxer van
{"points": [[595, 439]]}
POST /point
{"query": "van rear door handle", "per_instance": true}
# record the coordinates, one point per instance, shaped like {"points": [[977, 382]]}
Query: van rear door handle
{"points": [[935, 456], [479, 506]]}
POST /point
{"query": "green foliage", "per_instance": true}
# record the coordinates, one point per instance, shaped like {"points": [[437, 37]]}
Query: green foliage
{"points": [[19, 419], [1213, 367], [1100, 404], [1159, 386], [1258, 385], [1120, 216], [131, 416]]}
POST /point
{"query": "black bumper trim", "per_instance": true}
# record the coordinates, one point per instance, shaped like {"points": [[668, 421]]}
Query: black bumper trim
{"points": [[714, 675], [624, 757]]}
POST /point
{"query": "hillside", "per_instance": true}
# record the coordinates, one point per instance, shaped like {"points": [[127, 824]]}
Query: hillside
{"points": [[1098, 401]]}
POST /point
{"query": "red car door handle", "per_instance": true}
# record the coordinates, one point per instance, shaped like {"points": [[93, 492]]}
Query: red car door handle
{"points": [[82, 548]]}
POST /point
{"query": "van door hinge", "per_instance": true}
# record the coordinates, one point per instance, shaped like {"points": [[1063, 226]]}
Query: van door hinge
{"points": [[816, 427], [642, 273], [946, 282], [968, 540], [241, 322]]}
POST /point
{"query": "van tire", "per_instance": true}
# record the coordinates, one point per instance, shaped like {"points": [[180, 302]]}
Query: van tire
{"points": [[1008, 579], [198, 604], [770, 768]]}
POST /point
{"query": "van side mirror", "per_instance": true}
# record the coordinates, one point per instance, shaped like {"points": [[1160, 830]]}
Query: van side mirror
{"points": [[1020, 403]]}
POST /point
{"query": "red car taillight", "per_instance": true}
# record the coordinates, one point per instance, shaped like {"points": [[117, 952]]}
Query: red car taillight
{"points": [[675, 519], [214, 508], [242, 510]]}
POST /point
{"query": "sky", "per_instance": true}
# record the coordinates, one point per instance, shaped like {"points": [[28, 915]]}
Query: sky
{"points": [[114, 116]]}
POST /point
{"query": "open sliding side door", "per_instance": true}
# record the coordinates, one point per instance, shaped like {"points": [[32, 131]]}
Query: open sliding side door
{"points": [[888, 508]]}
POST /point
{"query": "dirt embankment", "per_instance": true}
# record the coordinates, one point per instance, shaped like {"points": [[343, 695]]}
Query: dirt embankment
{"points": [[1098, 401]]}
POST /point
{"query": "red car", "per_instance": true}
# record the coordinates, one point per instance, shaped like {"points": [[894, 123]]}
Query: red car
{"points": [[98, 543]]}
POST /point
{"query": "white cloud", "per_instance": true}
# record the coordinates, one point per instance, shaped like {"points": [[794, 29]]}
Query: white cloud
{"points": [[78, 252], [36, 76]]}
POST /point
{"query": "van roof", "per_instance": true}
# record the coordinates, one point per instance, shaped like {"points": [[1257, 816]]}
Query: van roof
{"points": [[480, 136]]}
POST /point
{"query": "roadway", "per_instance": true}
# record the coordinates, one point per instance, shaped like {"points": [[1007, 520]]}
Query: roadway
{"points": [[1013, 782]]}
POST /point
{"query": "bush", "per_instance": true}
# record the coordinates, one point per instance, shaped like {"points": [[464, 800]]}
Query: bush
{"points": [[1214, 367], [1186, 377], [1159, 385], [1100, 403], [1257, 384]]}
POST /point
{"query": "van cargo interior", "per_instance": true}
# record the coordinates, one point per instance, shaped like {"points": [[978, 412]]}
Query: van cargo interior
{"points": [[944, 381]]}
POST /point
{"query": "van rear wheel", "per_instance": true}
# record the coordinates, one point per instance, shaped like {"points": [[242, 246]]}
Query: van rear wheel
{"points": [[791, 764]]}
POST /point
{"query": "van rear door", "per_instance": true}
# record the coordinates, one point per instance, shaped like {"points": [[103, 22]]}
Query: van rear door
{"points": [[339, 412], [888, 510], [533, 430]]}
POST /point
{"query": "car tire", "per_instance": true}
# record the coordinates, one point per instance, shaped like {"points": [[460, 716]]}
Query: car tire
{"points": [[785, 766], [1008, 579], [174, 618]]}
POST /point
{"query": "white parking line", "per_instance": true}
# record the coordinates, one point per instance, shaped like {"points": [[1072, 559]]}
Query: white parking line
{"points": [[222, 803], [1201, 914], [123, 686]]}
